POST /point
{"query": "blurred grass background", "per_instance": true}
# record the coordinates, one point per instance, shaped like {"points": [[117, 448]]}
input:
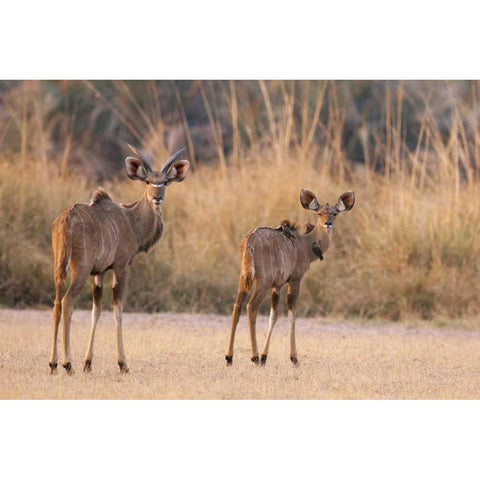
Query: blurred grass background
{"points": [[409, 149]]}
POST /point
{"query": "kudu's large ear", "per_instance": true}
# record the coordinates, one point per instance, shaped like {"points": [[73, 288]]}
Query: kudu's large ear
{"points": [[136, 169], [346, 201], [178, 171], [309, 200]]}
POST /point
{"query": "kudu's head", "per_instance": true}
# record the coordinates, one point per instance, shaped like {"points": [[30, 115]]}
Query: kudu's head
{"points": [[174, 170], [327, 213]]}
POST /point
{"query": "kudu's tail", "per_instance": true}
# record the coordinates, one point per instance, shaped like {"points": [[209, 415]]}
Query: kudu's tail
{"points": [[247, 266], [62, 252]]}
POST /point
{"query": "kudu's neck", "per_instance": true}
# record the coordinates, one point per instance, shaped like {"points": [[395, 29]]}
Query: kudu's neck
{"points": [[319, 235], [146, 221]]}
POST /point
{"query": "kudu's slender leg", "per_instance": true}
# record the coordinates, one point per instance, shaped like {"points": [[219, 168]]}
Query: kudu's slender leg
{"points": [[119, 278], [77, 282], [252, 309], [271, 323], [292, 296], [57, 312], [96, 312], [237, 310]]}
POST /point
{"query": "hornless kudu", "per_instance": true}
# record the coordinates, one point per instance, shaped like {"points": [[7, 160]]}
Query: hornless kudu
{"points": [[272, 257], [91, 239]]}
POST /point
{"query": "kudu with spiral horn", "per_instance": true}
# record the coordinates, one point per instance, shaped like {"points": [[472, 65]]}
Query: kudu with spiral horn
{"points": [[103, 235]]}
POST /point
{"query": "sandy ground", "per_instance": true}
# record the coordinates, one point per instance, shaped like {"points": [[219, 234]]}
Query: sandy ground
{"points": [[181, 356]]}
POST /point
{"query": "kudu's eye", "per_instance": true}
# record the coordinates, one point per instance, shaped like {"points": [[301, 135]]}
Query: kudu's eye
{"points": [[147, 182]]}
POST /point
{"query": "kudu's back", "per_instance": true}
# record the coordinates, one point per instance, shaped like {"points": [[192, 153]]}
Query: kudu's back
{"points": [[270, 256], [89, 235]]}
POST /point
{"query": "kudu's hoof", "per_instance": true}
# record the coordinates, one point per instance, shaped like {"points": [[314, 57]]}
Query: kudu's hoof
{"points": [[294, 360], [263, 360], [53, 368], [255, 360], [229, 359], [123, 367], [88, 366], [68, 368]]}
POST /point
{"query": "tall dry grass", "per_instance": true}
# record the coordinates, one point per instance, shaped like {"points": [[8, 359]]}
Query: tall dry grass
{"points": [[408, 248]]}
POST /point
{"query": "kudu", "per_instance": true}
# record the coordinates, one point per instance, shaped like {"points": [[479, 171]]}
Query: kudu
{"points": [[270, 258], [91, 239]]}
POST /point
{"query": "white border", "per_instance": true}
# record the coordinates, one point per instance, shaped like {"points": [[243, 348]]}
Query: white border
{"points": [[239, 439], [371, 39]]}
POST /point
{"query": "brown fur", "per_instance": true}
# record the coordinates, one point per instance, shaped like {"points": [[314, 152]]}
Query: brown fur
{"points": [[99, 195], [309, 227], [91, 239], [270, 258]]}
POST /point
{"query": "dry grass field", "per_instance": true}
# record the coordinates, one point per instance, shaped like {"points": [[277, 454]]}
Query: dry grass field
{"points": [[408, 249], [176, 356]]}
